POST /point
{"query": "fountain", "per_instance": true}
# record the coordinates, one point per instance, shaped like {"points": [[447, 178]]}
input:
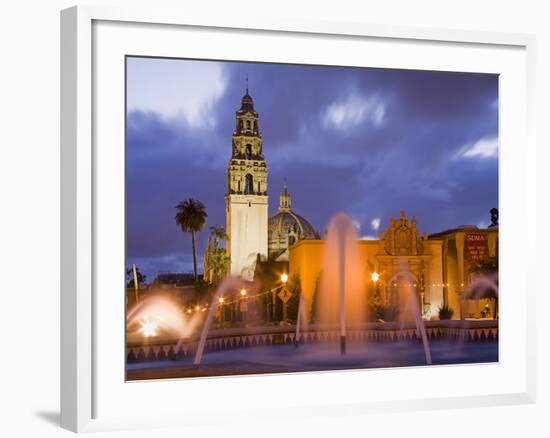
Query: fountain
{"points": [[226, 285], [484, 287], [301, 320], [411, 308], [160, 313], [342, 296]]}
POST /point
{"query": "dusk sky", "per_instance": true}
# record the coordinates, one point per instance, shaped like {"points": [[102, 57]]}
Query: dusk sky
{"points": [[367, 142]]}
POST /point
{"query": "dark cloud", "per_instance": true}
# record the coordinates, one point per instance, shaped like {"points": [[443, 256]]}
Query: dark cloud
{"points": [[368, 164]]}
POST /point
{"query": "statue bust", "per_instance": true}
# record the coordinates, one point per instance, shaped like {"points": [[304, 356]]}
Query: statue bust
{"points": [[494, 217]]}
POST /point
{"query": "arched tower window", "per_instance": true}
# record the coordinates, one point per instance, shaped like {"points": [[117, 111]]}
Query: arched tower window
{"points": [[248, 153], [248, 127], [249, 185]]}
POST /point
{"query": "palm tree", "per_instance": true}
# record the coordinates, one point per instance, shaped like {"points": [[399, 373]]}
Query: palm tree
{"points": [[191, 217], [218, 234], [220, 263]]}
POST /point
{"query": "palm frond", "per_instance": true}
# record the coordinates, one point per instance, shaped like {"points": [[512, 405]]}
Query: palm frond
{"points": [[191, 215]]}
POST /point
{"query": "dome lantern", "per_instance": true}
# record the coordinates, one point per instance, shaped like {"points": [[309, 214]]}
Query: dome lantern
{"points": [[285, 201]]}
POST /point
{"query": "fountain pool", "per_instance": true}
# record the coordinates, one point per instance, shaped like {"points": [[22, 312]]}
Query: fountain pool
{"points": [[311, 357]]}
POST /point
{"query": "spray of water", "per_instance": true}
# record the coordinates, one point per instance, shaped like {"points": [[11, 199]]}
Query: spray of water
{"points": [[342, 298], [164, 313], [483, 287], [301, 321], [411, 310], [227, 285]]}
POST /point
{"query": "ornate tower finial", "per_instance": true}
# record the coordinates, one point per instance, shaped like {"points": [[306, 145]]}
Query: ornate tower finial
{"points": [[247, 83], [285, 202]]}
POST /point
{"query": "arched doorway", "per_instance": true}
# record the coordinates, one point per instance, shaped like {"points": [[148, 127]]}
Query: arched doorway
{"points": [[401, 289]]}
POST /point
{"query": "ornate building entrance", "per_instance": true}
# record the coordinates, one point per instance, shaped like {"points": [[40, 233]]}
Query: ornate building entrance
{"points": [[405, 264]]}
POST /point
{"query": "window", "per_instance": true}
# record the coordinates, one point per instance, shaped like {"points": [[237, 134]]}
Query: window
{"points": [[248, 152], [249, 185], [248, 126]]}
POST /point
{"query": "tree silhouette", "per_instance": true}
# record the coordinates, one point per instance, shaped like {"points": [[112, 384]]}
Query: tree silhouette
{"points": [[191, 217], [130, 277]]}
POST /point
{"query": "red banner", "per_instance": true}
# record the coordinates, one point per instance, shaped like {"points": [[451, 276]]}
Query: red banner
{"points": [[476, 247]]}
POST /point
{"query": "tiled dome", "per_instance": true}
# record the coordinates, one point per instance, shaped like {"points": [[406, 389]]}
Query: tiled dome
{"points": [[288, 222]]}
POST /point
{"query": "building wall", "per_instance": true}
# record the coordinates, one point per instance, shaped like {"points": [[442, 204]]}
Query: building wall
{"points": [[456, 270], [306, 261], [451, 281], [247, 230], [434, 284]]}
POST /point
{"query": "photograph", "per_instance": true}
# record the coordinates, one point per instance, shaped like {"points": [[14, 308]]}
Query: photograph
{"points": [[291, 218]]}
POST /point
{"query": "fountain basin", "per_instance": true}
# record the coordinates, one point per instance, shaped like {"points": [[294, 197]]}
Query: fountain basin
{"points": [[286, 358], [271, 349]]}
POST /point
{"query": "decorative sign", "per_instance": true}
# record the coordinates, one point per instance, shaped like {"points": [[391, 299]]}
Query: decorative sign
{"points": [[476, 247], [285, 295]]}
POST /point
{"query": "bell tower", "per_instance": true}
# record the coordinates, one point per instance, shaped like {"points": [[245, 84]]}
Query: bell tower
{"points": [[246, 199]]}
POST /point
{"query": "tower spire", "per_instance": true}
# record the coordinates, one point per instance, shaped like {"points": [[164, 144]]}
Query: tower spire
{"points": [[247, 83]]}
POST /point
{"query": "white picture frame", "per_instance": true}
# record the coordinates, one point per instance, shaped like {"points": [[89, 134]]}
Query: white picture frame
{"points": [[83, 365]]}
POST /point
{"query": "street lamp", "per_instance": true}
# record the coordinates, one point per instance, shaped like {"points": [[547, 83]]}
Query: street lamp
{"points": [[243, 306], [222, 310], [284, 299], [376, 299]]}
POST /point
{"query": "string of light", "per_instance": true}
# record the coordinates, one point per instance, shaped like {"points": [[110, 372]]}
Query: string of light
{"points": [[222, 300], [432, 285], [242, 297]]}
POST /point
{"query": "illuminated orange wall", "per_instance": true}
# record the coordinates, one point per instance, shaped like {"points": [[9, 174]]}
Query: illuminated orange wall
{"points": [[306, 259]]}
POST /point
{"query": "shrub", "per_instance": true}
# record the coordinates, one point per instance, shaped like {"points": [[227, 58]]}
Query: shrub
{"points": [[445, 312], [387, 313]]}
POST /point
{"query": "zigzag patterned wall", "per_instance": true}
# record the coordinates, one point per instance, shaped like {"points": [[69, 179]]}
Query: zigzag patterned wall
{"points": [[167, 351]]}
